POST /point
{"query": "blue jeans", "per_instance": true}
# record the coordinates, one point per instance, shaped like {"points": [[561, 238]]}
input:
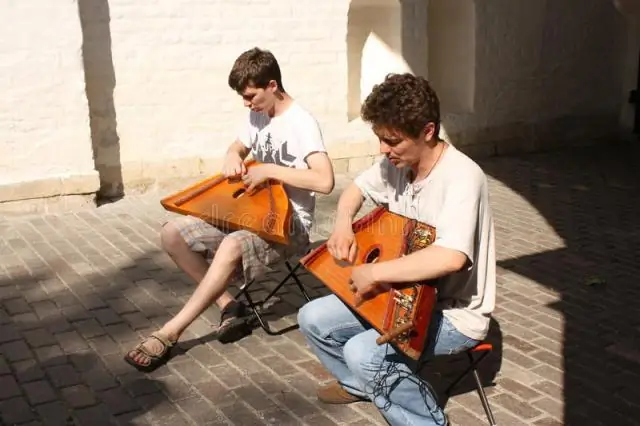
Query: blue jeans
{"points": [[346, 346]]}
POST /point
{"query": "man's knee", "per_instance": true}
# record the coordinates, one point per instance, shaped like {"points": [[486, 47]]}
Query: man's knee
{"points": [[230, 250], [171, 240], [309, 317], [359, 356], [319, 317]]}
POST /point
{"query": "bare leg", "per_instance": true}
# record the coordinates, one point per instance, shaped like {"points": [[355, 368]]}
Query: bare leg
{"points": [[211, 287], [213, 281], [193, 264]]}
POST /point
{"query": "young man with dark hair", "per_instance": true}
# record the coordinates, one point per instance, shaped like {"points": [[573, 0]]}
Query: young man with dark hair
{"points": [[287, 140], [424, 178]]}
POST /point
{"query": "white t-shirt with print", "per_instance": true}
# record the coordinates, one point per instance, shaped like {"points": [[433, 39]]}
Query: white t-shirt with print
{"points": [[454, 199], [286, 140]]}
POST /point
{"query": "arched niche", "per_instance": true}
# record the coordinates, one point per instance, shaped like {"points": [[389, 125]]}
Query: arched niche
{"points": [[451, 27], [374, 47], [434, 38]]}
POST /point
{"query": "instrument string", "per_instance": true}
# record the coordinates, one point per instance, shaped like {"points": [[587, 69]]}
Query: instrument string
{"points": [[389, 376]]}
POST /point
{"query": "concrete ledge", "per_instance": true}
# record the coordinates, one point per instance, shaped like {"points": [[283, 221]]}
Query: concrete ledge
{"points": [[47, 205], [139, 176], [50, 187], [523, 138]]}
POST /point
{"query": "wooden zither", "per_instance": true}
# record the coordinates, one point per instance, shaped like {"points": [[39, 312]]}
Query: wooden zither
{"points": [[401, 315], [227, 204]]}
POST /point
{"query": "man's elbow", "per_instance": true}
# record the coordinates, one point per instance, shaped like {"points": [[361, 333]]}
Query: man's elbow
{"points": [[325, 182], [457, 261], [326, 185]]}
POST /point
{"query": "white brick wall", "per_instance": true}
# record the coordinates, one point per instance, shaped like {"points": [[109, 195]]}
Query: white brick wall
{"points": [[546, 74], [156, 77], [44, 121], [172, 62]]}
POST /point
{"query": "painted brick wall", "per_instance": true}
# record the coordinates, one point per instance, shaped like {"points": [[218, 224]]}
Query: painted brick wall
{"points": [[545, 75], [172, 60], [157, 105], [44, 120]]}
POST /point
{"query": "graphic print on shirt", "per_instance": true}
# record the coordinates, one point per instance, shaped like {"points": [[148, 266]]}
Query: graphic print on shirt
{"points": [[267, 152]]}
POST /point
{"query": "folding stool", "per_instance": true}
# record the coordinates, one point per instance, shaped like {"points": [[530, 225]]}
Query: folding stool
{"points": [[256, 305]]}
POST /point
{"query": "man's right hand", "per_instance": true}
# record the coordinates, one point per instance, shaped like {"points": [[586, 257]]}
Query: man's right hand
{"points": [[342, 244], [233, 167]]}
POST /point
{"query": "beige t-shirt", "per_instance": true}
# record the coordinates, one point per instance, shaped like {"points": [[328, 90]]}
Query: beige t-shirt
{"points": [[454, 199]]}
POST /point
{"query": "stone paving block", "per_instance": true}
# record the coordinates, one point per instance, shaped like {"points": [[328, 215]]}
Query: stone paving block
{"points": [[39, 392], [16, 410], [254, 397], [16, 351], [240, 414], [39, 337], [8, 387], [201, 412], [9, 334], [78, 396], [63, 375], [27, 371], [191, 371]]}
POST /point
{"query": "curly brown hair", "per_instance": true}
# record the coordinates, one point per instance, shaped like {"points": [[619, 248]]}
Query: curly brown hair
{"points": [[256, 67], [403, 102]]}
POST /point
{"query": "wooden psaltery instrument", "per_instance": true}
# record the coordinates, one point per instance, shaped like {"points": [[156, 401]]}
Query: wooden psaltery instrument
{"points": [[401, 316], [225, 203]]}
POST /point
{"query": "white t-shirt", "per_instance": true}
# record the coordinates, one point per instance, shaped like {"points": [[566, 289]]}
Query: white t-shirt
{"points": [[286, 140], [454, 199]]}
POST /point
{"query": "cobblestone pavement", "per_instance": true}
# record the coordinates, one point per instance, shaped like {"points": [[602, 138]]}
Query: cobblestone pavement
{"points": [[78, 288]]}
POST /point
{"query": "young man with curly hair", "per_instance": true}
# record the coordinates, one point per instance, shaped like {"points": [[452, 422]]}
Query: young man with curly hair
{"points": [[424, 178], [286, 139]]}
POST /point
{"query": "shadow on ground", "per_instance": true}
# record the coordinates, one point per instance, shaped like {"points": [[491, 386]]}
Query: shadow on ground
{"points": [[62, 349], [570, 280], [63, 333]]}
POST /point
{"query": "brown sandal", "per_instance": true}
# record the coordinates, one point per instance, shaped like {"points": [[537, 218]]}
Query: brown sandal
{"points": [[152, 361]]}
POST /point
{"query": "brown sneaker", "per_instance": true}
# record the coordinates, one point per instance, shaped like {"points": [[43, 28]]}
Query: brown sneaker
{"points": [[333, 393]]}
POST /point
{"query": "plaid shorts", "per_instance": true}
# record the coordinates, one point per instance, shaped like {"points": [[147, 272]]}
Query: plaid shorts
{"points": [[258, 255]]}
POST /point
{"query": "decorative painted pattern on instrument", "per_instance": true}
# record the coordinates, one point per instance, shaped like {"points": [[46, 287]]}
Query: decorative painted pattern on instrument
{"points": [[402, 305]]}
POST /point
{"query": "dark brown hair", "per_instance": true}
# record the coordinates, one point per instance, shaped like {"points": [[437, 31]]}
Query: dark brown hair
{"points": [[255, 67], [403, 102]]}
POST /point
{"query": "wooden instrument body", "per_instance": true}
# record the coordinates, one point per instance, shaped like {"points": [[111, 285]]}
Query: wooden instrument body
{"points": [[226, 204], [401, 315]]}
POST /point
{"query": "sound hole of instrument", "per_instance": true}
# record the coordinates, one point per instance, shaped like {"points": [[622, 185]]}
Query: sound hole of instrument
{"points": [[373, 255], [239, 193]]}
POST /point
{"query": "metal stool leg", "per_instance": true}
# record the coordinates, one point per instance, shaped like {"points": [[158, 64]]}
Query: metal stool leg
{"points": [[292, 273], [253, 305], [481, 393], [485, 348]]}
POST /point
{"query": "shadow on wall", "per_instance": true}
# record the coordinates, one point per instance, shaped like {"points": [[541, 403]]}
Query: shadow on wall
{"points": [[100, 82]]}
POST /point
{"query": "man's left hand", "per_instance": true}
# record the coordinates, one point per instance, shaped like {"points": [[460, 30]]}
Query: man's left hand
{"points": [[364, 285], [255, 176]]}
